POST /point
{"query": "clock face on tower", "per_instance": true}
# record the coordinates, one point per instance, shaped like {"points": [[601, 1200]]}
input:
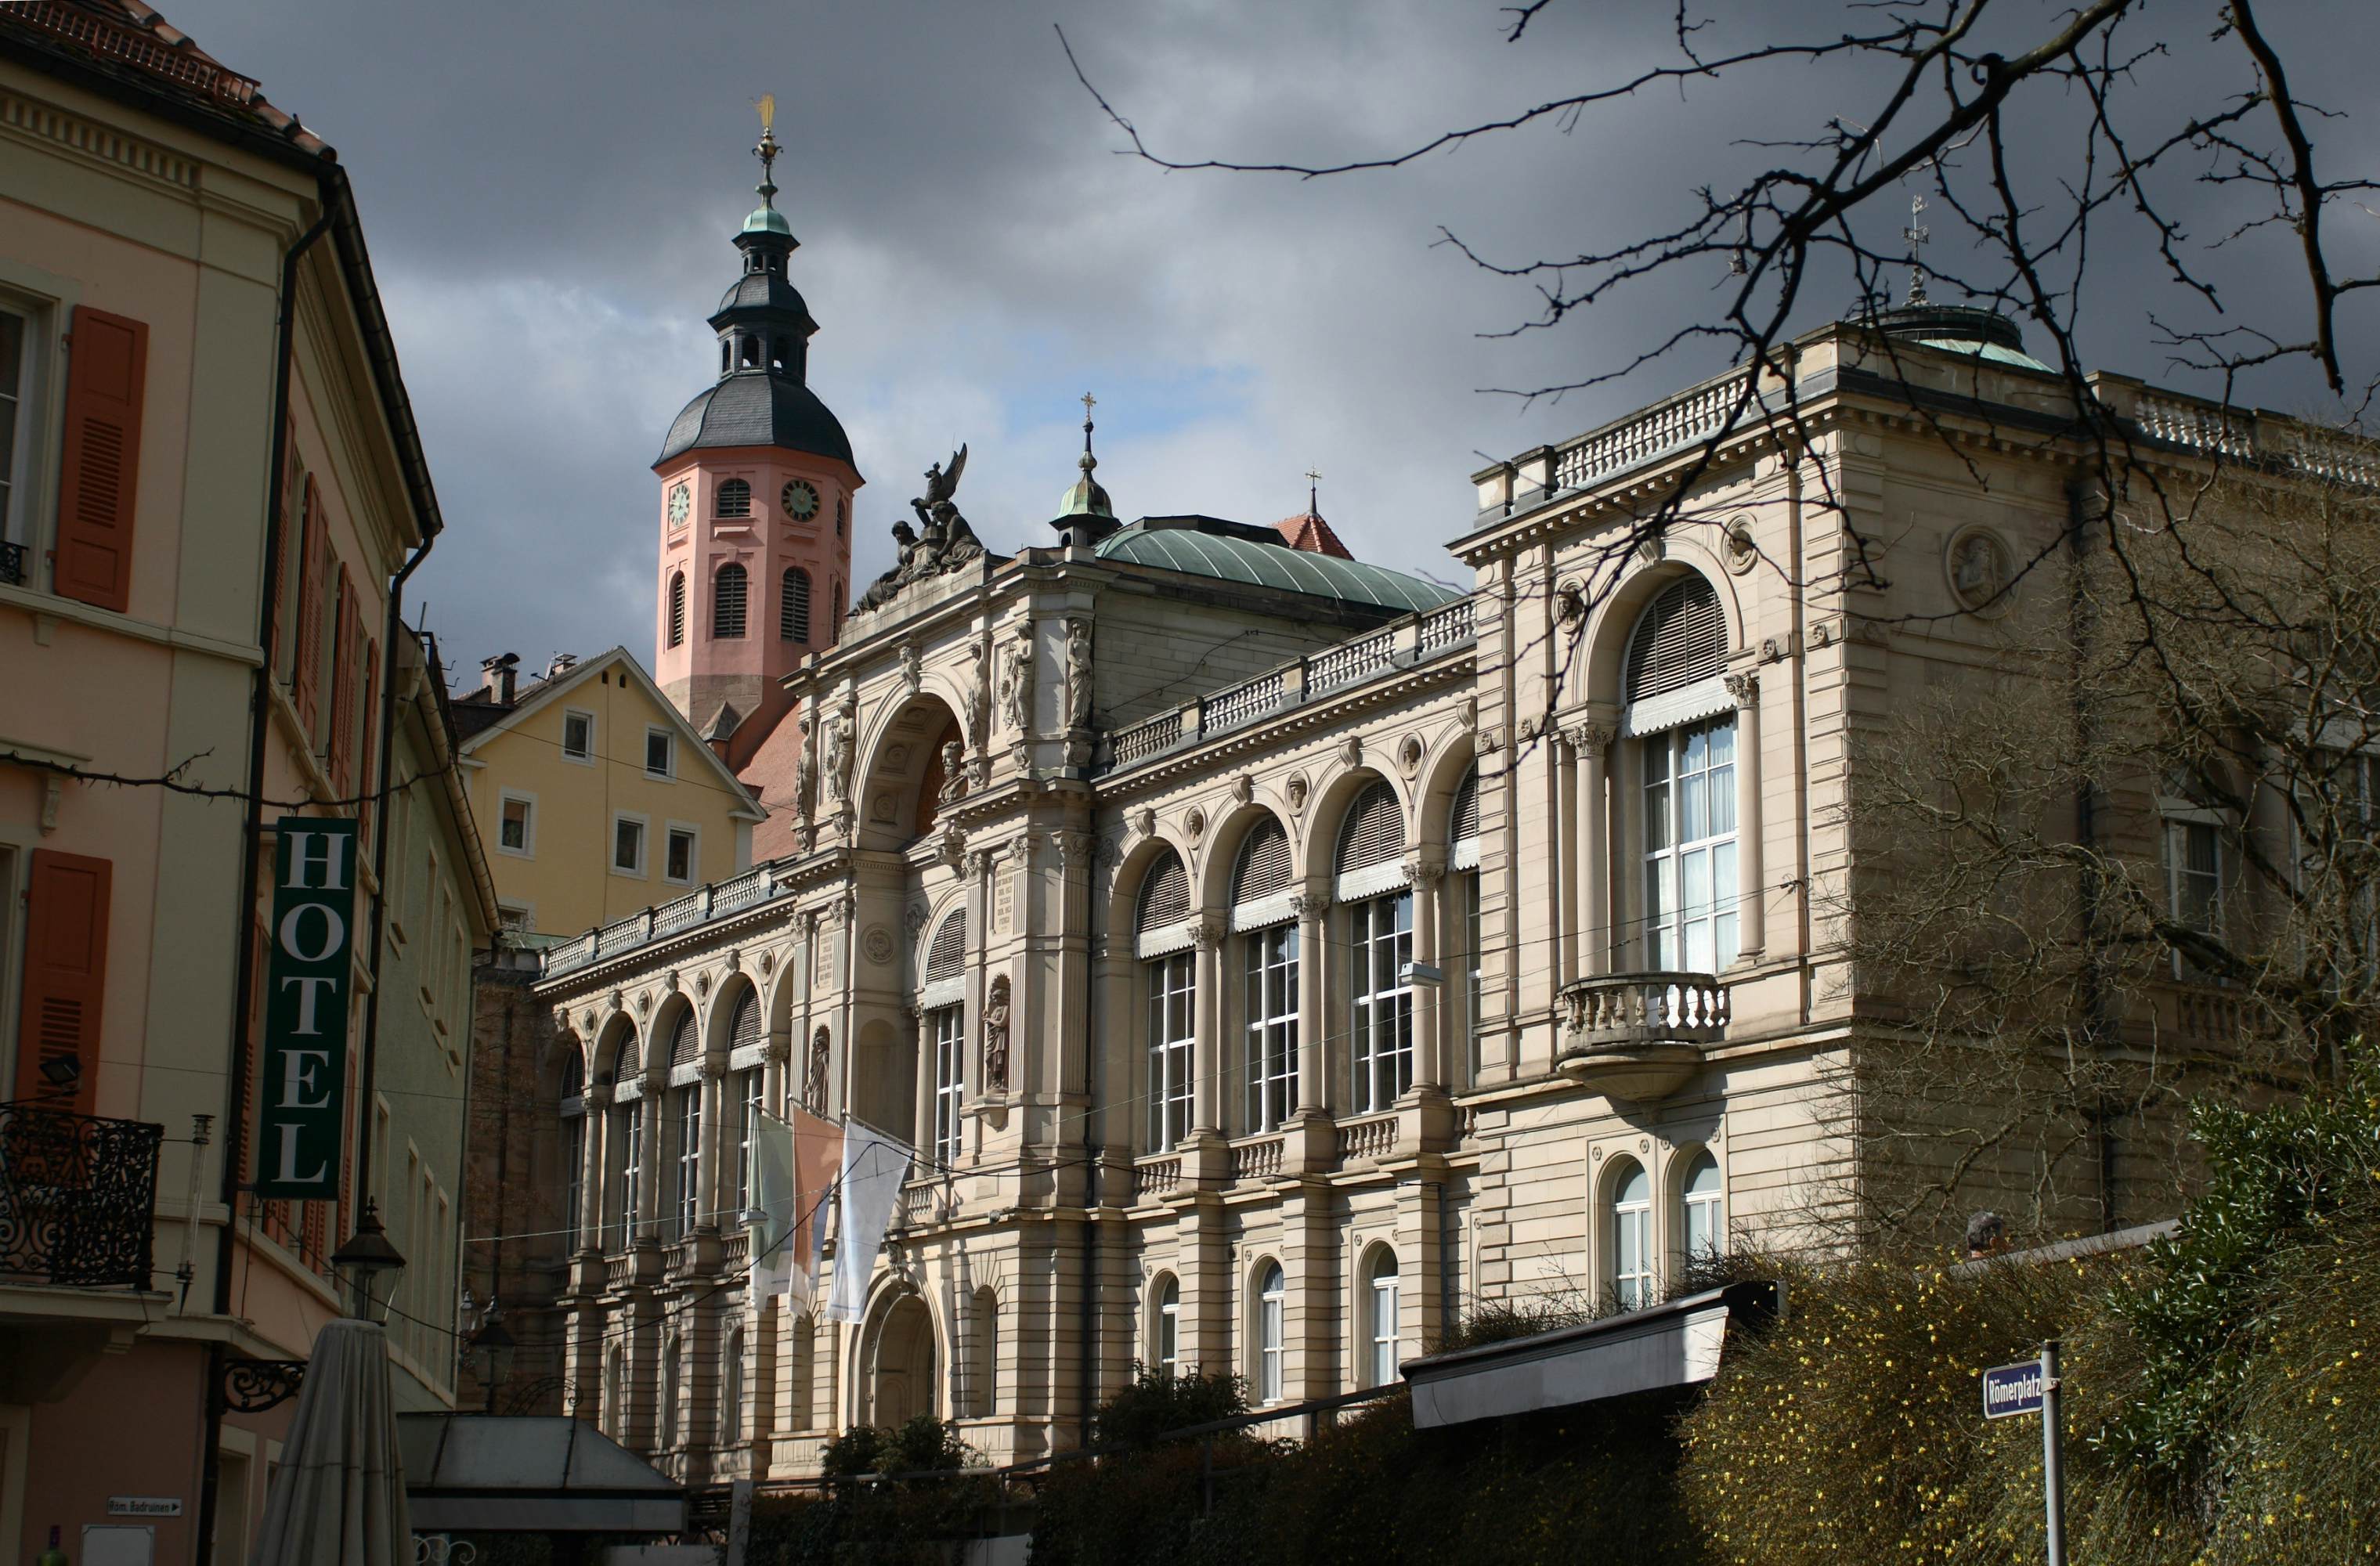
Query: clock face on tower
{"points": [[680, 503], [800, 501]]}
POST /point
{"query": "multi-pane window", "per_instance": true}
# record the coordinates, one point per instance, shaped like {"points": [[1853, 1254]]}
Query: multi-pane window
{"points": [[574, 1170], [1380, 940], [513, 834], [628, 845], [1271, 998], [630, 1170], [728, 593], [1171, 1049], [678, 862], [1272, 1332], [1466, 902], [689, 1136], [731, 1396], [1384, 1319], [1689, 821], [949, 1082], [578, 736], [13, 374], [1704, 1229], [1169, 1326], [794, 607], [2195, 880], [748, 1103], [1632, 1237], [661, 758]]}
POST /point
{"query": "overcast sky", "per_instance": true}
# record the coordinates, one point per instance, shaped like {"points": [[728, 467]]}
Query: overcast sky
{"points": [[549, 191]]}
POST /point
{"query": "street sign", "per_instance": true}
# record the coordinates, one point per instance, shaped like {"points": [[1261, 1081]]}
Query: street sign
{"points": [[2011, 1390]]}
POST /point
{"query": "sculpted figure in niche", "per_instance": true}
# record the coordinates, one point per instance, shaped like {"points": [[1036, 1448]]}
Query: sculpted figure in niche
{"points": [[838, 755], [995, 1036], [805, 775], [1078, 674], [978, 696], [814, 1074], [1978, 570], [1016, 690], [953, 771]]}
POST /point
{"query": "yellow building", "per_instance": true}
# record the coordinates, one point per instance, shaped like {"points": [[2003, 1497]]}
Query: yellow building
{"points": [[597, 796]]}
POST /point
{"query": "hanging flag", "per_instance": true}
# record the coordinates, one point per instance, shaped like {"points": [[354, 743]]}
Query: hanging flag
{"points": [[817, 1159], [873, 1167], [772, 1215]]}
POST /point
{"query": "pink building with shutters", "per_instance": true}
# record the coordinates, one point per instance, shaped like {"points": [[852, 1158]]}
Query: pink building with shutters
{"points": [[201, 516]]}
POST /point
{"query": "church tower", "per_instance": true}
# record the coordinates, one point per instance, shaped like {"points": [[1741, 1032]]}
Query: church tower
{"points": [[756, 494]]}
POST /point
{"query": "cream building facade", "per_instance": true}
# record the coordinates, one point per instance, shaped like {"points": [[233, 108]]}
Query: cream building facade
{"points": [[600, 798], [1273, 959]]}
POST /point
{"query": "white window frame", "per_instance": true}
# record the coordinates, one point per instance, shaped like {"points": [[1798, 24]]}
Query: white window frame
{"points": [[668, 772], [1635, 1283], [751, 1097], [1270, 999], [1272, 1332], [948, 1035], [573, 1198], [2180, 819], [525, 912], [686, 1142], [1380, 947], [42, 302], [587, 757], [1167, 1356], [1669, 929], [644, 825], [1470, 900], [1172, 982], [509, 797], [693, 876], [1713, 1204], [631, 1170], [1383, 1302]]}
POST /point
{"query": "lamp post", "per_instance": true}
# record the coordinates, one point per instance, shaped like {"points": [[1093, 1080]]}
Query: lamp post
{"points": [[373, 1263], [491, 1352]]}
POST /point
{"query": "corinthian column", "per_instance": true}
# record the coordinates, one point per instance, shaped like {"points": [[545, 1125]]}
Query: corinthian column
{"points": [[1427, 874], [1593, 743]]}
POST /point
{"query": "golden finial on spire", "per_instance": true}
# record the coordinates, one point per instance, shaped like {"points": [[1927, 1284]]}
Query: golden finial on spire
{"points": [[768, 148]]}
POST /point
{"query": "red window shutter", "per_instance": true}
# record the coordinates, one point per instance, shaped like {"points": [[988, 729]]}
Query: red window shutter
{"points": [[340, 751], [107, 364], [310, 604], [285, 561], [367, 778], [65, 979]]}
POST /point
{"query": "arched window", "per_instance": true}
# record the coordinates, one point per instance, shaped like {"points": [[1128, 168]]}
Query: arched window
{"points": [[1705, 1227], [983, 1369], [1686, 816], [947, 955], [727, 597], [615, 1388], [734, 497], [794, 606], [1168, 1346], [686, 1046], [686, 1140], [1269, 975], [1681, 638], [1169, 978], [1380, 940], [1631, 1219], [1381, 1316], [628, 1172], [677, 609], [731, 1390], [1272, 1332], [945, 964], [574, 1144]]}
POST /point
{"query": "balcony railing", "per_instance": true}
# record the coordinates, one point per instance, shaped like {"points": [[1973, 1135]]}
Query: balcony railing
{"points": [[77, 1197], [12, 564], [1258, 1158], [1155, 1176], [1367, 1139], [761, 883], [1416, 639], [1641, 1036]]}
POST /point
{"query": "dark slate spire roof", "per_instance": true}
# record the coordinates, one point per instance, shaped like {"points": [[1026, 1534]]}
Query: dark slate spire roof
{"points": [[764, 326]]}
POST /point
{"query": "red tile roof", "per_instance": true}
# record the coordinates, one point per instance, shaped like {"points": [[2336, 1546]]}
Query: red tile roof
{"points": [[1307, 531], [130, 35]]}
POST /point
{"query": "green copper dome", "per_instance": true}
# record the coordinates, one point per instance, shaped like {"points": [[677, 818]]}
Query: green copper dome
{"points": [[1230, 552], [768, 220]]}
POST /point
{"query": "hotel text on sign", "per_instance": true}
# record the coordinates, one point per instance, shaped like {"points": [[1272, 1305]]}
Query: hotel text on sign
{"points": [[307, 972]]}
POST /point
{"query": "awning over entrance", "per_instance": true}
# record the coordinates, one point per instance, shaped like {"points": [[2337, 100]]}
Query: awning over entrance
{"points": [[1674, 1344], [488, 1473]]}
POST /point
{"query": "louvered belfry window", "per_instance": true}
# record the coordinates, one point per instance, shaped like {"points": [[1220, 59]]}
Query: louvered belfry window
{"points": [[794, 606], [1375, 832], [727, 603], [946, 958], [683, 1049], [1465, 819], [734, 499], [1264, 864], [743, 1022], [1682, 639], [677, 609], [1165, 895]]}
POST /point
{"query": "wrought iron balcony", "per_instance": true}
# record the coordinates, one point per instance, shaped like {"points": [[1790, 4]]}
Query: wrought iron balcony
{"points": [[77, 1197], [12, 564], [1640, 1036]]}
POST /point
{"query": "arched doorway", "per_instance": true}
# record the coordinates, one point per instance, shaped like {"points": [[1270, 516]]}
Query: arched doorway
{"points": [[900, 1382]]}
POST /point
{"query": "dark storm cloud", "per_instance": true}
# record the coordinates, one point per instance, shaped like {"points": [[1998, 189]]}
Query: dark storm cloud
{"points": [[549, 189]]}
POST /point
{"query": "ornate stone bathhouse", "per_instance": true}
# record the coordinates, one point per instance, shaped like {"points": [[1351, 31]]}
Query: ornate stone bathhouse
{"points": [[1271, 956]]}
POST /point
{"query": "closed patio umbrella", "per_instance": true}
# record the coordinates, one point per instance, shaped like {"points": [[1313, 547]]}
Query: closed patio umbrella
{"points": [[338, 1497]]}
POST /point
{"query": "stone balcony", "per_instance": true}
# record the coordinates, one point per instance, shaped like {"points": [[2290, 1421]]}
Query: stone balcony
{"points": [[1640, 1036]]}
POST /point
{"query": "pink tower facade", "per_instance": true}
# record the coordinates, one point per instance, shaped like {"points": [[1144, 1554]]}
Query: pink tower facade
{"points": [[757, 486]]}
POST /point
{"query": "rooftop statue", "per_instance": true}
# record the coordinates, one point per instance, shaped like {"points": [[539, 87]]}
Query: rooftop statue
{"points": [[941, 541]]}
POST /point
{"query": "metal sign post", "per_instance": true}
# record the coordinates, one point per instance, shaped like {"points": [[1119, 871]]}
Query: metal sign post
{"points": [[2031, 1387]]}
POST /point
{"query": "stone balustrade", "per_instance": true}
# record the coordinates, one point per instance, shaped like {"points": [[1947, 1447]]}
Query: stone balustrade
{"points": [[1640, 1036]]}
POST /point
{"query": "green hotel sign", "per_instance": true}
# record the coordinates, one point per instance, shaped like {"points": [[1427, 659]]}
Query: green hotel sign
{"points": [[307, 977]]}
